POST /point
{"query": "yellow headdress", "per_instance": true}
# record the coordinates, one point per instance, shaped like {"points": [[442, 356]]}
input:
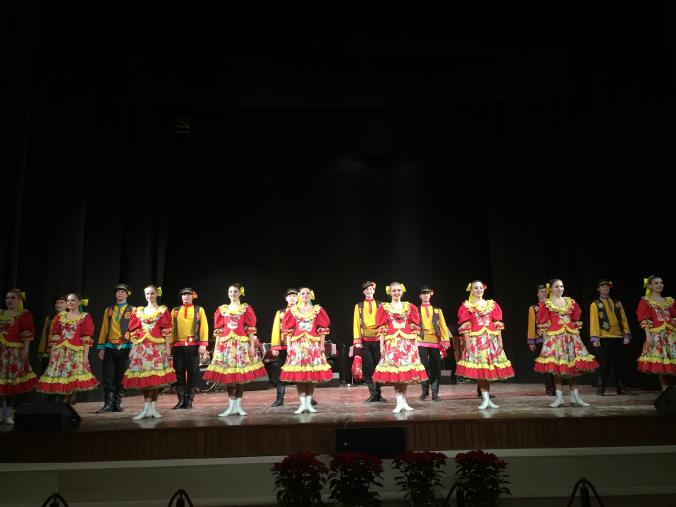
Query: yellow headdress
{"points": [[159, 292], [646, 286], [388, 291], [549, 289], [241, 291], [22, 298]]}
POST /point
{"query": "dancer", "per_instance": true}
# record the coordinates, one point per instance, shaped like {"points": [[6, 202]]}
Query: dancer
{"points": [[16, 333], [114, 347], [305, 326], [235, 362], [68, 370], [190, 337], [657, 316], [483, 358], [610, 334], [150, 335], [365, 333], [563, 354], [433, 339], [535, 335], [278, 347], [59, 304], [398, 327]]}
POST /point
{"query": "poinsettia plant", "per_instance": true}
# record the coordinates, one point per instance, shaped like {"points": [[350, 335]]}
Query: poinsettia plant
{"points": [[299, 479], [482, 476], [420, 474], [351, 476]]}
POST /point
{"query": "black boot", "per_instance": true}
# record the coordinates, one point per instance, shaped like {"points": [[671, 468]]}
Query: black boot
{"points": [[621, 390], [107, 403], [380, 397], [600, 387], [180, 391], [425, 390], [117, 401], [550, 389], [373, 393], [314, 402], [279, 401], [187, 401], [454, 379], [435, 390]]}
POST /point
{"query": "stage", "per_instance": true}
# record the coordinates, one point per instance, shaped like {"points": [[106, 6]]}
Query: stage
{"points": [[524, 421]]}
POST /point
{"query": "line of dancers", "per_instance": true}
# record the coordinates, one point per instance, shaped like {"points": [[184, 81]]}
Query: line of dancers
{"points": [[395, 342]]}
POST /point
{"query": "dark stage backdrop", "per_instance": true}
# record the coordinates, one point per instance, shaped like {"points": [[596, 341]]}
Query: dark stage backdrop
{"points": [[507, 164]]}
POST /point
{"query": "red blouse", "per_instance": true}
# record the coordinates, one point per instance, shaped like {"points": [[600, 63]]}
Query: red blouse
{"points": [[313, 324], [15, 329], [154, 327], [72, 333], [392, 323], [239, 323], [556, 320], [474, 320], [656, 316]]}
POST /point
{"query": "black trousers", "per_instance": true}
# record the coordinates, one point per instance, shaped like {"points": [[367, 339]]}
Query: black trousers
{"points": [[186, 361], [115, 363], [610, 355], [431, 360], [274, 368], [370, 357]]}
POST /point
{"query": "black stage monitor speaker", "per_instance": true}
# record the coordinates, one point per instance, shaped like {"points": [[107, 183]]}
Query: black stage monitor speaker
{"points": [[49, 416], [383, 442], [666, 401]]}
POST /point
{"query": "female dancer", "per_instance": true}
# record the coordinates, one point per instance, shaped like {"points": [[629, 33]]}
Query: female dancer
{"points": [[398, 327], [16, 333], [68, 370], [483, 358], [235, 362], [305, 326], [150, 335], [657, 316], [563, 354]]}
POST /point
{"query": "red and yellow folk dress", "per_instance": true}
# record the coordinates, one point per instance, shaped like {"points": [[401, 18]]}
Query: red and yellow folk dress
{"points": [[148, 361], [483, 358], [563, 354], [232, 362], [305, 360], [659, 318], [16, 375], [400, 361], [66, 372]]}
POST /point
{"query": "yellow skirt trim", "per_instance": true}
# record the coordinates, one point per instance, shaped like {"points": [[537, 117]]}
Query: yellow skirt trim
{"points": [[11, 345], [319, 367], [651, 358], [493, 366], [148, 373], [398, 369], [69, 380], [252, 367], [18, 380], [66, 344], [584, 359]]}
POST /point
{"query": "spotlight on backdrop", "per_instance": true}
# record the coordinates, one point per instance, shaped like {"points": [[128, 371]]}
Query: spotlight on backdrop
{"points": [[181, 496]]}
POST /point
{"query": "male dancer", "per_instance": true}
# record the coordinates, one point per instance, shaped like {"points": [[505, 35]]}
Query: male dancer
{"points": [[278, 347], [190, 337], [114, 347], [433, 337], [366, 338]]}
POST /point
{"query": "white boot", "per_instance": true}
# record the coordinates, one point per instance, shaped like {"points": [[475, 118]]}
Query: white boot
{"points": [[229, 410], [558, 401], [575, 398], [308, 404], [238, 407], [144, 413], [152, 411], [400, 405], [10, 416], [301, 405], [490, 402], [487, 400], [405, 405]]}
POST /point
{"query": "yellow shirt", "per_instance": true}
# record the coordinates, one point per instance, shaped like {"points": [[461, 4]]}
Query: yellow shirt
{"points": [[615, 331], [369, 331], [276, 336], [184, 318], [427, 325]]}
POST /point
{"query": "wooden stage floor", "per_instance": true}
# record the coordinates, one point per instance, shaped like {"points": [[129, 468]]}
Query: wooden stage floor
{"points": [[524, 421]]}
